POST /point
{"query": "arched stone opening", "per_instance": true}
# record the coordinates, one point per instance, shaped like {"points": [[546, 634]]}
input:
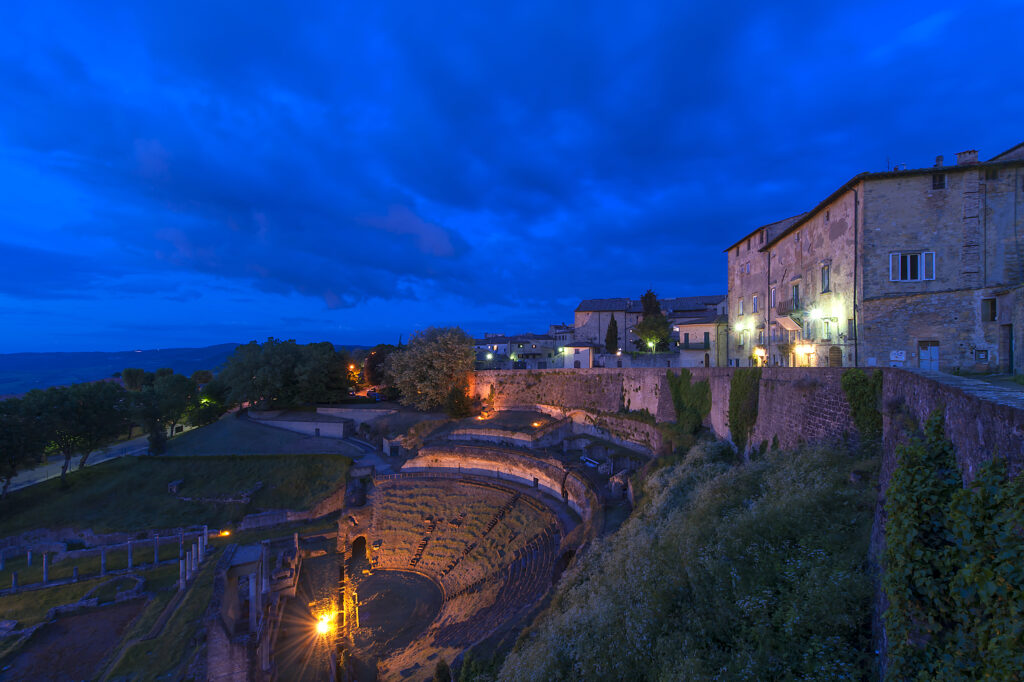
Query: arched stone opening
{"points": [[359, 548]]}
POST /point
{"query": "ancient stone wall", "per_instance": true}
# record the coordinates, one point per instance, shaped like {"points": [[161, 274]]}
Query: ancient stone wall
{"points": [[550, 475]]}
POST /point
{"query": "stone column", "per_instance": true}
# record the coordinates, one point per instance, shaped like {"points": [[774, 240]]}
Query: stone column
{"points": [[265, 567], [254, 603], [181, 545], [206, 539], [103, 561], [46, 568], [1, 561], [74, 574], [29, 559], [188, 565], [195, 557], [181, 574], [130, 558], [14, 580], [156, 550]]}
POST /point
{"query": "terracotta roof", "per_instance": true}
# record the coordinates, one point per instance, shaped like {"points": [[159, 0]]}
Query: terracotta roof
{"points": [[602, 305]]}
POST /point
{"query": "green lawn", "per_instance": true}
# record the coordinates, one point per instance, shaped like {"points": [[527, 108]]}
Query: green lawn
{"points": [[130, 494], [232, 435], [29, 608]]}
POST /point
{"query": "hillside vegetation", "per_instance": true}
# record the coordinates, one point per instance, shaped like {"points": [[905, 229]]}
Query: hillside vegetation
{"points": [[733, 571]]}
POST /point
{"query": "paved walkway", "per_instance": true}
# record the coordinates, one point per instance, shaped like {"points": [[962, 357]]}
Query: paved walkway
{"points": [[51, 468]]}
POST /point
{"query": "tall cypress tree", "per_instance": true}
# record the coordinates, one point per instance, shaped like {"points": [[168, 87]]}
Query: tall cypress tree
{"points": [[611, 337]]}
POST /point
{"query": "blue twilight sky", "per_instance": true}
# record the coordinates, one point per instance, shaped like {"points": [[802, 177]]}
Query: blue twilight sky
{"points": [[181, 173]]}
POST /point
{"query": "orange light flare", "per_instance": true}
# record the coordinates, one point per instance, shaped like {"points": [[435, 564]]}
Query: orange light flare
{"points": [[325, 623], [536, 425], [224, 533]]}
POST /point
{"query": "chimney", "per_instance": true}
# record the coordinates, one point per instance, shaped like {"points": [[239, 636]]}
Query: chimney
{"points": [[938, 161], [967, 158]]}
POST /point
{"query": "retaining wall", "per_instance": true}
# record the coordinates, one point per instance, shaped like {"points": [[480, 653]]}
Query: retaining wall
{"points": [[552, 477]]}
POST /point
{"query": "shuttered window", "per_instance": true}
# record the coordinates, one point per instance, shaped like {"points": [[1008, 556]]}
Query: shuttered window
{"points": [[911, 267]]}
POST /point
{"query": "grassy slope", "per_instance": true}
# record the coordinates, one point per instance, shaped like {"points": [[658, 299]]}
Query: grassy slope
{"points": [[130, 494], [724, 572]]}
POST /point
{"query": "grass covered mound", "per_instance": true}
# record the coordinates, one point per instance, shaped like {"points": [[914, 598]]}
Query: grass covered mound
{"points": [[130, 493], [726, 571]]}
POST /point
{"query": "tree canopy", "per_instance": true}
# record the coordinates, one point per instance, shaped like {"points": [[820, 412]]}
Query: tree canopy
{"points": [[284, 373], [611, 337], [435, 360], [654, 329]]}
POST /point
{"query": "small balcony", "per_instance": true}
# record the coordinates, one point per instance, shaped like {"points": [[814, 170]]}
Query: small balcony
{"points": [[790, 306]]}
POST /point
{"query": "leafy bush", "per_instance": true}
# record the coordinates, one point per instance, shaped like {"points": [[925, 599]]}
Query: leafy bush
{"points": [[741, 572], [743, 396], [953, 572], [864, 394], [692, 401]]}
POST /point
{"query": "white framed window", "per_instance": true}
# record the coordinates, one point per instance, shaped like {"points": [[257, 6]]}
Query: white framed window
{"points": [[753, 303], [911, 267], [826, 279], [741, 306], [826, 330], [773, 298]]}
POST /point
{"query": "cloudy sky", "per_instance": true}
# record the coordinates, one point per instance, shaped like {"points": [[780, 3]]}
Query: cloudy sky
{"points": [[176, 174]]}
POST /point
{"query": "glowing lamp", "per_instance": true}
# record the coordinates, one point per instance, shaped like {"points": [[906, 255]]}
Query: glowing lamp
{"points": [[490, 356], [619, 353], [760, 352], [536, 424], [650, 344], [224, 533], [816, 314], [323, 625]]}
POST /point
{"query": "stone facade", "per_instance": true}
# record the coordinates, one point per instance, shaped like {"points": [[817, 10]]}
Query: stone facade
{"points": [[921, 268]]}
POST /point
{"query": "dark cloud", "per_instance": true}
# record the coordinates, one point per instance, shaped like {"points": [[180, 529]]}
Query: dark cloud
{"points": [[382, 157]]}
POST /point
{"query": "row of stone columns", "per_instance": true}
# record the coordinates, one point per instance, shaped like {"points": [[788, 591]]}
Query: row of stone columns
{"points": [[188, 562]]}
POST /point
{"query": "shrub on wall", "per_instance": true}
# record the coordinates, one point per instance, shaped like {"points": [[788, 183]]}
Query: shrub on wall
{"points": [[692, 401], [864, 394], [952, 566], [743, 391]]}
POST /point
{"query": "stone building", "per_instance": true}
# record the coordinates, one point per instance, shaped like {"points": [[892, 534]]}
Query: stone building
{"points": [[523, 351], [594, 315], [917, 268]]}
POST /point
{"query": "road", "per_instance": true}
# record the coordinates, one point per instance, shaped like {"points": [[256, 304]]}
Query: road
{"points": [[51, 468]]}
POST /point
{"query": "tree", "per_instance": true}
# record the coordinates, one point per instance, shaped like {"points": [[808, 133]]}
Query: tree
{"points": [[322, 374], [175, 393], [164, 372], [133, 377], [654, 329], [202, 376], [21, 439], [284, 374], [435, 360], [442, 673], [611, 337], [83, 417], [458, 404], [375, 364]]}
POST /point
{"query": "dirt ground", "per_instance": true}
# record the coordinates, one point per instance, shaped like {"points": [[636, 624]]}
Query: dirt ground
{"points": [[73, 647]]}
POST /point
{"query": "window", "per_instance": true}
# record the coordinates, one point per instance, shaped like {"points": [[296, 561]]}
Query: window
{"points": [[760, 337], [851, 329], [686, 340], [796, 295], [827, 215], [748, 243], [988, 310], [741, 306], [825, 278], [939, 181], [911, 267], [809, 330], [753, 303], [772, 305], [707, 340], [762, 236], [991, 173], [826, 330]]}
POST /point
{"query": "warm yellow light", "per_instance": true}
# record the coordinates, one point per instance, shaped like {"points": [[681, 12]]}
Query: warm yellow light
{"points": [[536, 424], [351, 368], [816, 314], [323, 626], [225, 533], [805, 349], [760, 352], [618, 352]]}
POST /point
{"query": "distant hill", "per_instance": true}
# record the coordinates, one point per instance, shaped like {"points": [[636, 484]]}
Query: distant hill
{"points": [[21, 372]]}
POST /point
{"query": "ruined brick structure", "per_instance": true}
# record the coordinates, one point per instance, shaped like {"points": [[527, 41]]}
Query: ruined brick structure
{"points": [[907, 268]]}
